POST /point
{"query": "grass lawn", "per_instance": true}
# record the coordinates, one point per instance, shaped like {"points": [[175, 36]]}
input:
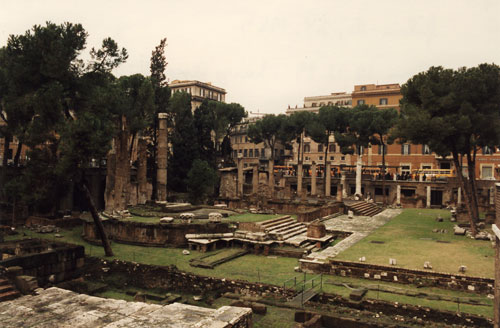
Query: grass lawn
{"points": [[409, 239]]}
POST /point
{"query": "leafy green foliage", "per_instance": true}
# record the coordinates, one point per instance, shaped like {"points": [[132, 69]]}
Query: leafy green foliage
{"points": [[201, 181]]}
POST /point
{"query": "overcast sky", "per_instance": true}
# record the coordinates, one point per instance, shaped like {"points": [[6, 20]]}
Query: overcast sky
{"points": [[270, 54]]}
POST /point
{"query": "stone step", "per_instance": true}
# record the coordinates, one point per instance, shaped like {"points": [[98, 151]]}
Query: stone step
{"points": [[283, 224], [271, 222], [291, 229], [286, 227], [6, 288], [294, 233], [4, 282], [10, 295]]}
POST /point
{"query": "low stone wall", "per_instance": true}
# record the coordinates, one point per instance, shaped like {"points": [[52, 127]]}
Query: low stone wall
{"points": [[400, 275], [394, 309], [152, 234], [48, 262], [311, 215], [170, 278], [61, 223]]}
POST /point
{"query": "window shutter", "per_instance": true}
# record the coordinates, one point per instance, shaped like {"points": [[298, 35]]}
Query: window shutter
{"points": [[409, 149]]}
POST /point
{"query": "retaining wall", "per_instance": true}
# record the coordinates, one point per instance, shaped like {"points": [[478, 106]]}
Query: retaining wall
{"points": [[399, 275]]}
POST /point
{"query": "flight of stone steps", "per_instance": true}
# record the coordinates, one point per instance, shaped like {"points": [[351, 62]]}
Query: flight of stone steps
{"points": [[363, 208], [283, 228], [7, 291]]}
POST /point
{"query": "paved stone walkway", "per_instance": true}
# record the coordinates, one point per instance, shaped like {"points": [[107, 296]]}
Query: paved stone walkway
{"points": [[360, 226]]}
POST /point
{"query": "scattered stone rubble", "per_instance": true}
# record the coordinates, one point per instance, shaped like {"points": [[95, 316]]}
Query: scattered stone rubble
{"points": [[43, 228]]}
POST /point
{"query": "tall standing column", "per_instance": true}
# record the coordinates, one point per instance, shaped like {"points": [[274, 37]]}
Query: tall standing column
{"points": [[142, 180], [459, 196], [313, 179], [328, 179], [300, 171], [271, 177], [255, 179], [343, 184], [239, 190], [428, 204], [398, 195], [359, 165], [161, 173]]}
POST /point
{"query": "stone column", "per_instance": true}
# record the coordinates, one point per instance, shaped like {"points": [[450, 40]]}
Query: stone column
{"points": [[459, 196], [313, 179], [428, 200], [343, 184], [255, 179], [161, 173], [359, 165], [300, 171], [271, 177], [398, 195], [328, 180], [142, 181], [240, 178]]}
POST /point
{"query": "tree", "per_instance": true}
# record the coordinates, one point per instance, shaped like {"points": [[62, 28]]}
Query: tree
{"points": [[298, 122], [161, 97], [201, 180], [226, 116], [64, 107], [204, 123], [183, 140], [270, 130], [330, 121], [453, 112]]}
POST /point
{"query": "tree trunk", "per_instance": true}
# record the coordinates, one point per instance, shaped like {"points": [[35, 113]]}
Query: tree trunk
{"points": [[7, 139], [132, 144], [471, 167], [465, 187], [97, 221], [18, 153]]}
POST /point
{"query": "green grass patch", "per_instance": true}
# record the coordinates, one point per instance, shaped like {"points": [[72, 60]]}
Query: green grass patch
{"points": [[409, 239]]}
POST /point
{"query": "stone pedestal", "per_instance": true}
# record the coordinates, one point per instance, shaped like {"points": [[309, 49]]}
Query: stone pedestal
{"points": [[161, 175], [313, 179], [316, 230]]}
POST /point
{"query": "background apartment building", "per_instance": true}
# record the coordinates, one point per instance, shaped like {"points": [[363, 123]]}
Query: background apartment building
{"points": [[199, 91]]}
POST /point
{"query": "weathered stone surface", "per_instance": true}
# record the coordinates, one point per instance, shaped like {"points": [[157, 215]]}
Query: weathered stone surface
{"points": [[458, 231], [357, 294], [26, 284], [55, 306], [214, 217], [316, 230], [167, 219]]}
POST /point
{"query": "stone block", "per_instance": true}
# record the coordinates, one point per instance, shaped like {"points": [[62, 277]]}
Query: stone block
{"points": [[427, 265], [392, 261], [316, 230], [458, 231], [167, 219], [215, 217], [26, 284], [357, 294]]}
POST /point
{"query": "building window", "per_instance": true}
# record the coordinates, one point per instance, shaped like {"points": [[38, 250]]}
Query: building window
{"points": [[313, 105], [426, 167], [405, 168], [426, 150], [321, 158], [246, 139], [250, 153], [320, 148], [332, 148], [245, 153], [256, 153], [307, 158], [405, 149], [486, 172], [342, 158], [332, 158], [382, 101], [361, 102], [363, 88], [307, 148]]}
